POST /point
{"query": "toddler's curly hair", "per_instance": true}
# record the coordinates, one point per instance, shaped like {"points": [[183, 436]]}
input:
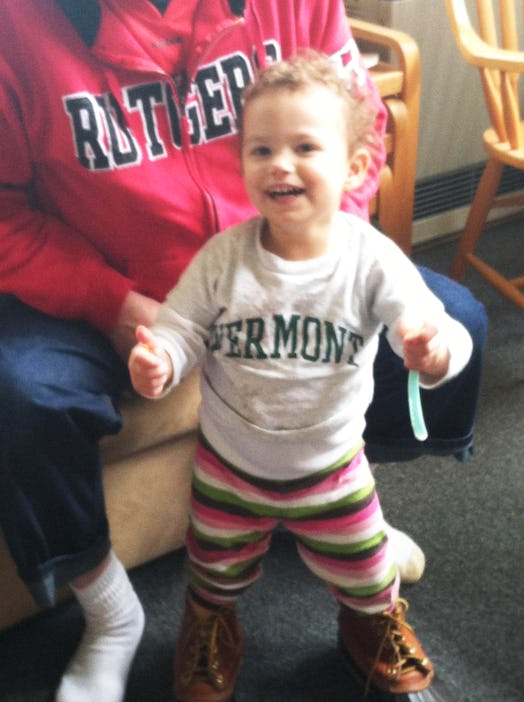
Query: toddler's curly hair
{"points": [[308, 69]]}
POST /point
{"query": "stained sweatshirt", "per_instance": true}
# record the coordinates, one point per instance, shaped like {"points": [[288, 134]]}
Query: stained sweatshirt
{"points": [[287, 347]]}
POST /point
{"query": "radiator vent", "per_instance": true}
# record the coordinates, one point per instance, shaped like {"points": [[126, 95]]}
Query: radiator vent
{"points": [[448, 191]]}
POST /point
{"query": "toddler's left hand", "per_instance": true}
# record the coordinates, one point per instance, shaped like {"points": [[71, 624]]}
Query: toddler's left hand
{"points": [[424, 350]]}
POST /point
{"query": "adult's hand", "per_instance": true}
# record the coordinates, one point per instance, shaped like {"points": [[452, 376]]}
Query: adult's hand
{"points": [[137, 309]]}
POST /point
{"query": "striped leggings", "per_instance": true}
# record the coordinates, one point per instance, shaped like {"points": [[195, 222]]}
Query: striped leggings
{"points": [[334, 514]]}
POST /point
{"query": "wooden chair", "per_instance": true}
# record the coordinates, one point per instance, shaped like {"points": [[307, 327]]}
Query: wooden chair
{"points": [[494, 50]]}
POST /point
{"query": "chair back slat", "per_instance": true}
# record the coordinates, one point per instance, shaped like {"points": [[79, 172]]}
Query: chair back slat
{"points": [[508, 25], [487, 24], [491, 86], [510, 100]]}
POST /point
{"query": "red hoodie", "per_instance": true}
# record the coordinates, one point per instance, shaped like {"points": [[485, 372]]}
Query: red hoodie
{"points": [[112, 173]]}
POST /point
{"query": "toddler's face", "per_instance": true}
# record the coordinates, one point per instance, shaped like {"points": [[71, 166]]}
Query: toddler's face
{"points": [[296, 166], [295, 157]]}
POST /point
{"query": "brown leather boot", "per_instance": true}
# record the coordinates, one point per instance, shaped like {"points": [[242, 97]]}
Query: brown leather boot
{"points": [[384, 648], [208, 653]]}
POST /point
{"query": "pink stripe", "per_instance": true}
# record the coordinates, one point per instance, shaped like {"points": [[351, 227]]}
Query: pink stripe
{"points": [[212, 466], [208, 557], [329, 567], [219, 520], [378, 603], [352, 524]]}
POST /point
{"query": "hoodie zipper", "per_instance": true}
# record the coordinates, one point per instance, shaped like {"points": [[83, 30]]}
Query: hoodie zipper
{"points": [[180, 93], [187, 148]]}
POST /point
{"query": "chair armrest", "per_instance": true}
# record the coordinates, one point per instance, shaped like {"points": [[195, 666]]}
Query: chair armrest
{"points": [[402, 47], [398, 83]]}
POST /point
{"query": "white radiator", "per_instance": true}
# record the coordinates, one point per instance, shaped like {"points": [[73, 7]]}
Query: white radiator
{"points": [[452, 116]]}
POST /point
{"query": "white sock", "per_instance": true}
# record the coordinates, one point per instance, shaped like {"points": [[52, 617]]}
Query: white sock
{"points": [[408, 555], [114, 619]]}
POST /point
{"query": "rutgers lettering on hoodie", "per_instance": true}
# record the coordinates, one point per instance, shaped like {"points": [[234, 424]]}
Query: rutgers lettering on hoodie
{"points": [[119, 151]]}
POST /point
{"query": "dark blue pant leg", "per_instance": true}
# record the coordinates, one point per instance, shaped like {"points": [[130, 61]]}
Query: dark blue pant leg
{"points": [[58, 384], [449, 411]]}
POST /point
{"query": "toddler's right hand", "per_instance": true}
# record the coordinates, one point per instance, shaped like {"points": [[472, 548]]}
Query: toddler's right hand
{"points": [[150, 366], [423, 349]]}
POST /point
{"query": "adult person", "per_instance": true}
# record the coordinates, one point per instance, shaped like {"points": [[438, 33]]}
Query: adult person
{"points": [[118, 160]]}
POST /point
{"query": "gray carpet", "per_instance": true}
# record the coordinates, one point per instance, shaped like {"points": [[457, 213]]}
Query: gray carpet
{"points": [[468, 610]]}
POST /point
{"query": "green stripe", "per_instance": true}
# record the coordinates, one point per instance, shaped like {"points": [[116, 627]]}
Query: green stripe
{"points": [[324, 547], [226, 542], [221, 497], [371, 590], [350, 455]]}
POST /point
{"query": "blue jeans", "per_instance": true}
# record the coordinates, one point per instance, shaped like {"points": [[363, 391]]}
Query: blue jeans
{"points": [[60, 381]]}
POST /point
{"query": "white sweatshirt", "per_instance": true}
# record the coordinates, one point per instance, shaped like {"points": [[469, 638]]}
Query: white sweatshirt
{"points": [[288, 346]]}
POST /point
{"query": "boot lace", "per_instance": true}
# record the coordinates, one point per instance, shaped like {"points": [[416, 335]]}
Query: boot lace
{"points": [[402, 657]]}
